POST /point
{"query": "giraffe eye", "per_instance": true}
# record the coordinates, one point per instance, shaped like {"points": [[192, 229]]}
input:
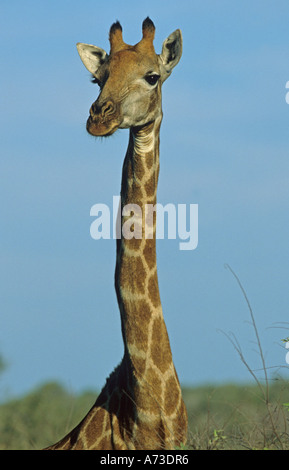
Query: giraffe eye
{"points": [[152, 79]]}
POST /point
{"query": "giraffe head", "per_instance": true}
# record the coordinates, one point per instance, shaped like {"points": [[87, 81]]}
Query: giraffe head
{"points": [[129, 77]]}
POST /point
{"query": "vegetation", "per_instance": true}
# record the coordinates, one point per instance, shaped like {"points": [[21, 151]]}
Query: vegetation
{"points": [[237, 417], [41, 417]]}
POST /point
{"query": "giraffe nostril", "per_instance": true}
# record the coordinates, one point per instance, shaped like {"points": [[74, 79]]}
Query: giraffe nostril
{"points": [[95, 109], [107, 109]]}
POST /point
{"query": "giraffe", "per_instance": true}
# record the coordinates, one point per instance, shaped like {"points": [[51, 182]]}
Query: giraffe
{"points": [[141, 405]]}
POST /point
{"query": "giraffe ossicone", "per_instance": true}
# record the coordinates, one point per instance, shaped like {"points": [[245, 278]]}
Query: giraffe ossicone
{"points": [[141, 404]]}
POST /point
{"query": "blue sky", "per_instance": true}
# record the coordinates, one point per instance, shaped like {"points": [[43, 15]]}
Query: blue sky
{"points": [[224, 146]]}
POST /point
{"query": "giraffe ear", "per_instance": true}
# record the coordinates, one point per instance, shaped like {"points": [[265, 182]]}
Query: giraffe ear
{"points": [[92, 57], [171, 53]]}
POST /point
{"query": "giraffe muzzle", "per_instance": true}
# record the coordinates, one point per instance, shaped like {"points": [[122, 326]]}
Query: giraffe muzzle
{"points": [[103, 119]]}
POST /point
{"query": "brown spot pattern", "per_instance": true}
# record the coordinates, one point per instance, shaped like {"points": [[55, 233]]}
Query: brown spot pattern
{"points": [[149, 253], [171, 395], [150, 185], [153, 290], [132, 274], [135, 326], [160, 349]]}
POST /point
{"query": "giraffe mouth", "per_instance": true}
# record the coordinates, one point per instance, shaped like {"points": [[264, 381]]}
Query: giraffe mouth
{"points": [[100, 128]]}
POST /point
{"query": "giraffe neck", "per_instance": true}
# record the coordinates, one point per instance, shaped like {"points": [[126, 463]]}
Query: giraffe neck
{"points": [[136, 282], [141, 405]]}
